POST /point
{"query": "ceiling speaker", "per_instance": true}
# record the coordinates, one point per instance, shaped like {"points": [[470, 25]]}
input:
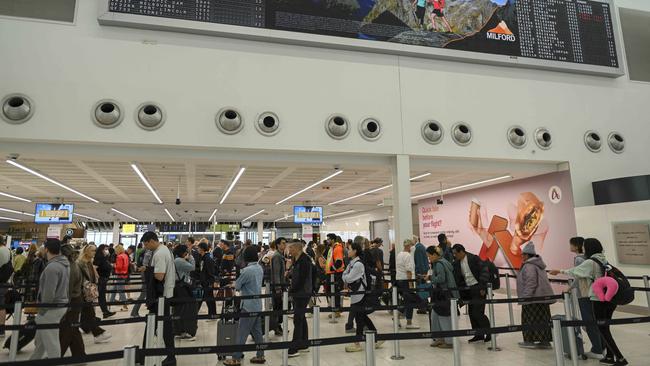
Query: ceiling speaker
{"points": [[150, 116], [229, 121], [17, 108], [370, 129], [593, 142], [268, 124], [107, 113], [337, 127], [517, 137], [461, 133], [543, 138], [616, 142], [432, 132]]}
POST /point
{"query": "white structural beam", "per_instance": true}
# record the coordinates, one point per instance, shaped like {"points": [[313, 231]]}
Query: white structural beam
{"points": [[403, 220]]}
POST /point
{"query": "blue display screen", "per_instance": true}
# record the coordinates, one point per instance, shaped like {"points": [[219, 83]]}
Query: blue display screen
{"points": [[54, 213], [308, 214]]}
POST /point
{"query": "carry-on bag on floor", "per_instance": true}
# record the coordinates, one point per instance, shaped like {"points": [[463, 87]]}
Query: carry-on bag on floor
{"points": [[24, 337], [566, 345], [226, 332]]}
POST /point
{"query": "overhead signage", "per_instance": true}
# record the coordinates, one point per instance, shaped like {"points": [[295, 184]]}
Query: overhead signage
{"points": [[53, 213], [128, 228], [225, 227]]}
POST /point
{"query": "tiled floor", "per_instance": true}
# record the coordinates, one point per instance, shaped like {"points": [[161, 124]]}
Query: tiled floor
{"points": [[634, 340]]}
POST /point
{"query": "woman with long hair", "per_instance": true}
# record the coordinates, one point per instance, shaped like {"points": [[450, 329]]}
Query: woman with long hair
{"points": [[104, 270], [122, 263], [89, 278]]}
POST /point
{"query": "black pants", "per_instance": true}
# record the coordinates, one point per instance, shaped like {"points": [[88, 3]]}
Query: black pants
{"points": [[101, 287], [362, 319], [300, 330], [168, 332], [277, 306], [208, 297], [352, 316], [69, 336], [89, 320], [411, 299], [477, 311], [419, 13], [604, 311], [337, 288]]}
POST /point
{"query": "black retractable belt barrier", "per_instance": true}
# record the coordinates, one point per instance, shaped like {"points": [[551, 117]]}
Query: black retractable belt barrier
{"points": [[94, 357], [579, 323]]}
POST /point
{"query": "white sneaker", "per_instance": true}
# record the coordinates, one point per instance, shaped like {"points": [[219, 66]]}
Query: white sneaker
{"points": [[103, 338], [187, 337], [412, 326], [594, 356]]}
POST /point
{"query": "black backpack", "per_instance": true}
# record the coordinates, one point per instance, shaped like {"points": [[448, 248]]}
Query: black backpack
{"points": [[625, 294], [6, 271], [495, 280]]}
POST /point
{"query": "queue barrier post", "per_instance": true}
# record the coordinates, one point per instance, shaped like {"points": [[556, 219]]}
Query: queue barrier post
{"points": [[396, 351], [370, 348], [13, 346], [315, 351], [493, 344], [509, 293], [454, 326], [557, 342], [646, 284], [129, 356], [149, 337], [267, 319], [159, 327], [572, 335], [333, 299], [285, 321], [576, 304]]}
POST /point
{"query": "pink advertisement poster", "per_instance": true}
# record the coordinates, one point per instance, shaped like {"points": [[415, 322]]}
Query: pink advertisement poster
{"points": [[497, 221]]}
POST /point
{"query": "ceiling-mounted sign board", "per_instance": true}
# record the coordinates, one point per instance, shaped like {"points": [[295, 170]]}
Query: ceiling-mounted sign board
{"points": [[632, 242], [565, 35]]}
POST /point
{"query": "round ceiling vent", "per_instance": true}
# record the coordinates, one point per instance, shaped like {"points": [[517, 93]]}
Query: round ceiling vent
{"points": [[432, 132], [17, 108], [370, 129], [268, 124], [230, 121], [150, 116], [593, 142], [517, 137], [461, 133], [337, 127], [107, 113], [543, 138], [616, 142]]}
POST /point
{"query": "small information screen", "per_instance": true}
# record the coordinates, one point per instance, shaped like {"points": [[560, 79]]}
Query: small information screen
{"points": [[574, 31]]}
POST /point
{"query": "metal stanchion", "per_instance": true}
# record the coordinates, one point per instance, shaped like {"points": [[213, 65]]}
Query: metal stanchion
{"points": [[370, 348], [285, 321], [557, 342], [333, 300], [315, 351], [396, 351], [13, 346], [493, 344], [572, 334], [159, 327], [129, 356], [150, 341], [454, 326], [510, 310], [646, 284], [267, 319], [576, 304]]}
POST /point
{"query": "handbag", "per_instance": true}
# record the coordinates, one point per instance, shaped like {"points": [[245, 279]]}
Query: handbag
{"points": [[90, 291]]}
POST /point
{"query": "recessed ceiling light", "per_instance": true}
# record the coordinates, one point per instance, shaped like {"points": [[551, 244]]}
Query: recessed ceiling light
{"points": [[8, 219], [86, 217], [232, 184], [123, 214], [376, 190], [253, 215], [213, 213], [462, 187], [146, 182], [17, 212], [14, 197], [170, 215], [311, 186], [339, 214]]}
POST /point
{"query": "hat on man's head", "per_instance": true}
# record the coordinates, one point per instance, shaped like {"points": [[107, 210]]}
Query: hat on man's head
{"points": [[529, 249]]}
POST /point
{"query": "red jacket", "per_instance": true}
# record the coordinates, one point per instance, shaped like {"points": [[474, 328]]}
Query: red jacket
{"points": [[122, 265]]}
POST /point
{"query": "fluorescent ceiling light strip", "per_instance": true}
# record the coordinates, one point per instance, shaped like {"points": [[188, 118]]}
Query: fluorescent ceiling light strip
{"points": [[462, 187], [283, 218], [16, 212], [213, 213], [123, 214], [311, 186], [33, 172], [14, 197], [253, 215], [339, 214], [232, 184], [86, 217], [8, 218], [170, 215], [376, 190], [146, 182]]}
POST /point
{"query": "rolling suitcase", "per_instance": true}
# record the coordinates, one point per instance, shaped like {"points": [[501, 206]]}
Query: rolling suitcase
{"points": [[566, 345], [226, 332]]}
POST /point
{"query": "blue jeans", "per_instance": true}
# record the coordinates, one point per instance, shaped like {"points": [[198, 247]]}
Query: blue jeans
{"points": [[252, 326], [587, 313], [121, 295]]}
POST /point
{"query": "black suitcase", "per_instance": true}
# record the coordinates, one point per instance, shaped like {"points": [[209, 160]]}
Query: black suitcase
{"points": [[24, 337], [226, 332]]}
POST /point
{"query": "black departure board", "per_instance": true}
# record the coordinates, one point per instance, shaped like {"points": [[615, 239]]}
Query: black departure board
{"points": [[570, 31]]}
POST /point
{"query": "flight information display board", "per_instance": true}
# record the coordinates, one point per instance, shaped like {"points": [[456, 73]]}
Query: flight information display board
{"points": [[579, 32]]}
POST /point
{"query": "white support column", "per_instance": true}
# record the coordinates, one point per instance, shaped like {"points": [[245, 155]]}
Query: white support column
{"points": [[402, 220], [116, 232], [260, 230]]}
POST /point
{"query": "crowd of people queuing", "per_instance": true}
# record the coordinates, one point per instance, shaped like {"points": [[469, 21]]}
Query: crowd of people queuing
{"points": [[426, 278]]}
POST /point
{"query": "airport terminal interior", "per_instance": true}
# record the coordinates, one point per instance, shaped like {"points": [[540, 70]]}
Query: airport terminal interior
{"points": [[324, 182]]}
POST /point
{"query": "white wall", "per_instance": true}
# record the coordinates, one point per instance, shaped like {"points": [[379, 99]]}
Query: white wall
{"points": [[357, 223], [596, 221], [66, 69]]}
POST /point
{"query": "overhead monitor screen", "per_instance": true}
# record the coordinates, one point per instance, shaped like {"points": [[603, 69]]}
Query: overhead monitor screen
{"points": [[54, 213], [307, 215], [570, 31]]}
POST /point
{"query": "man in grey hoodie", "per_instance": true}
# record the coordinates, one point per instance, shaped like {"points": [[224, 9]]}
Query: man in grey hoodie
{"points": [[53, 288]]}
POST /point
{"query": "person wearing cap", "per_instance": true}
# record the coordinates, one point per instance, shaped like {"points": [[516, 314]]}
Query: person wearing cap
{"points": [[53, 289], [532, 281]]}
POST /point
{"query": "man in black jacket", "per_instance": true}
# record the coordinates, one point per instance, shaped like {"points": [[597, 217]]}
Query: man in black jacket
{"points": [[301, 284], [207, 278], [470, 271]]}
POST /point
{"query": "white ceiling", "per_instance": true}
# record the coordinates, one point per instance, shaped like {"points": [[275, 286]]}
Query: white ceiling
{"points": [[203, 182]]}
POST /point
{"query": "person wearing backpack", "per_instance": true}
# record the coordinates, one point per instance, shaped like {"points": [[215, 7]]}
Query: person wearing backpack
{"points": [[356, 278], [6, 270], [592, 269]]}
